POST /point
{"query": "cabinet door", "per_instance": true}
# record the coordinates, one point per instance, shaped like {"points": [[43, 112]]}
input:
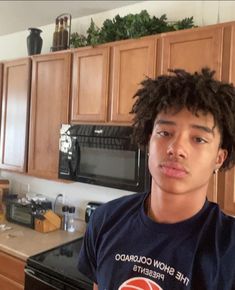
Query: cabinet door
{"points": [[1, 82], [193, 49], [132, 62], [90, 85], [11, 272], [227, 182], [15, 109], [212, 191], [7, 284], [229, 192], [49, 109]]}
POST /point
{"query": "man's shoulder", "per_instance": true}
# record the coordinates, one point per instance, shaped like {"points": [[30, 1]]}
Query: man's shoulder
{"points": [[223, 227], [119, 207], [124, 200], [228, 223], [222, 219]]}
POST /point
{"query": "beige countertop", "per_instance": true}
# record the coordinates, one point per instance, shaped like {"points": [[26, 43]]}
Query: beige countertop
{"points": [[23, 242]]}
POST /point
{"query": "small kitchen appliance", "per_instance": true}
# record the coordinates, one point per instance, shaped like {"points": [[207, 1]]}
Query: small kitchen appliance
{"points": [[103, 155], [24, 211]]}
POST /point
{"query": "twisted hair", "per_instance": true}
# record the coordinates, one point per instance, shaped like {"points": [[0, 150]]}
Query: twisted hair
{"points": [[196, 92]]}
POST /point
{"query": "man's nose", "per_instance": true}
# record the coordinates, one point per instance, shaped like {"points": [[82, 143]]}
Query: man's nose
{"points": [[178, 147]]}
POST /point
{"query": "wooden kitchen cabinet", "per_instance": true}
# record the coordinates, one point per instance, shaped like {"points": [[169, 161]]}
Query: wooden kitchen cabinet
{"points": [[192, 49], [96, 97], [49, 109], [11, 272], [227, 179], [15, 112], [90, 84], [228, 192], [1, 82], [132, 62]]}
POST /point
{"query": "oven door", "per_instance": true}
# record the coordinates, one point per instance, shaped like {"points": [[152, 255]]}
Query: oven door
{"points": [[36, 280]]}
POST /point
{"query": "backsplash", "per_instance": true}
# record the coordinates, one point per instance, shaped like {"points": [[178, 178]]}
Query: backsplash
{"points": [[74, 193]]}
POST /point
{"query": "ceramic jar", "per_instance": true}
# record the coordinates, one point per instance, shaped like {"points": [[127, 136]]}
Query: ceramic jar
{"points": [[34, 41]]}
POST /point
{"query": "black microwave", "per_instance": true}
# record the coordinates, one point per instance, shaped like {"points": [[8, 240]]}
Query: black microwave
{"points": [[103, 155]]}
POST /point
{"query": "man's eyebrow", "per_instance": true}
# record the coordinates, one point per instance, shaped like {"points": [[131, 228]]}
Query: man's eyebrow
{"points": [[195, 126], [164, 122], [203, 128]]}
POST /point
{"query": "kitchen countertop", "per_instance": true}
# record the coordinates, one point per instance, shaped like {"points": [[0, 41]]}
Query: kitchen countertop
{"points": [[22, 242]]}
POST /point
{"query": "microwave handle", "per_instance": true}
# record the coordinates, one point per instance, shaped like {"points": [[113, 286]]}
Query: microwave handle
{"points": [[75, 160]]}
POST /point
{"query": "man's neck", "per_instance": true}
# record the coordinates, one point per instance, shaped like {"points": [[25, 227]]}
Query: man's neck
{"points": [[165, 207]]}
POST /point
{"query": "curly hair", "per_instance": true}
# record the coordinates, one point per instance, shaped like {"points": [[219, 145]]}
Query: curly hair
{"points": [[196, 92]]}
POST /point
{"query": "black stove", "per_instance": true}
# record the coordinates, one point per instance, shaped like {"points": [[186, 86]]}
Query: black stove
{"points": [[56, 269]]}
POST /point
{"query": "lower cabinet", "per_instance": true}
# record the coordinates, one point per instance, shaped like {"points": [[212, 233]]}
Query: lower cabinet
{"points": [[11, 272]]}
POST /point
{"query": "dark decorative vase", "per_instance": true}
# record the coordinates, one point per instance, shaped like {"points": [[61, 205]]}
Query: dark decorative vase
{"points": [[34, 41]]}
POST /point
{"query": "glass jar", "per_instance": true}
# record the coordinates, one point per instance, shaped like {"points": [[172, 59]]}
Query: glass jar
{"points": [[65, 217], [71, 225]]}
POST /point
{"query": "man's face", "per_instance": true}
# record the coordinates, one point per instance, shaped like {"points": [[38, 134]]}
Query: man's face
{"points": [[184, 151]]}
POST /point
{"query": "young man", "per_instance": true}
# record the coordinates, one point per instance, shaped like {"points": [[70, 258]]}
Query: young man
{"points": [[172, 237]]}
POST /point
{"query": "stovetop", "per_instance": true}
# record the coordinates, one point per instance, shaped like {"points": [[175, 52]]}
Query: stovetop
{"points": [[61, 263]]}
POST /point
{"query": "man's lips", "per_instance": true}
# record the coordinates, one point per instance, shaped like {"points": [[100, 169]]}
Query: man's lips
{"points": [[173, 169]]}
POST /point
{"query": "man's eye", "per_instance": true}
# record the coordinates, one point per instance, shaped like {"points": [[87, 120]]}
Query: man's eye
{"points": [[200, 140], [163, 133]]}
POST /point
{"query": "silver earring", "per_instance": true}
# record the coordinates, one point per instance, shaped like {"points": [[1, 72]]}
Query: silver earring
{"points": [[216, 170]]}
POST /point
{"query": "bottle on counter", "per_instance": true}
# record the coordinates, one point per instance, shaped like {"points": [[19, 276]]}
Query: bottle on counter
{"points": [[65, 217], [71, 225]]}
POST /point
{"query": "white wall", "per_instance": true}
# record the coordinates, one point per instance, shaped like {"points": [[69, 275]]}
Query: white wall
{"points": [[14, 46], [204, 13]]}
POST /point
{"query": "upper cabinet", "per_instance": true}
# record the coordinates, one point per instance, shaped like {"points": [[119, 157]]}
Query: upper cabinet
{"points": [[90, 85], [15, 111], [105, 79], [192, 49], [228, 192], [226, 184], [1, 82], [49, 109], [132, 62]]}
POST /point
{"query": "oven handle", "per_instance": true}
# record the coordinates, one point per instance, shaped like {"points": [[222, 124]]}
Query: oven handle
{"points": [[31, 274]]}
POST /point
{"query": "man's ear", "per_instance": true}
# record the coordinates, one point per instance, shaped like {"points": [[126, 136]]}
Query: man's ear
{"points": [[221, 156]]}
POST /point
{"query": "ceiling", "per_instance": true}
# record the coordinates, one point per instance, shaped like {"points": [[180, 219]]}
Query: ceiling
{"points": [[20, 15]]}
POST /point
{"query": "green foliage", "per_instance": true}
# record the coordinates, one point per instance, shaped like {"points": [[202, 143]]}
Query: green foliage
{"points": [[93, 34], [182, 24], [78, 40], [129, 26]]}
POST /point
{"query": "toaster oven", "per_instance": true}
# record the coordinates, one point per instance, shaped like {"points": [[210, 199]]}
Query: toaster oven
{"points": [[24, 213]]}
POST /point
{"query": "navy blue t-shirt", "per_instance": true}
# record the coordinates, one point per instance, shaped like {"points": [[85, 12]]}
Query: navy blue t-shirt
{"points": [[124, 249]]}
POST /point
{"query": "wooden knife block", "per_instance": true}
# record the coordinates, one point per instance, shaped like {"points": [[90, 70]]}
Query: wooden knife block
{"points": [[49, 223]]}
